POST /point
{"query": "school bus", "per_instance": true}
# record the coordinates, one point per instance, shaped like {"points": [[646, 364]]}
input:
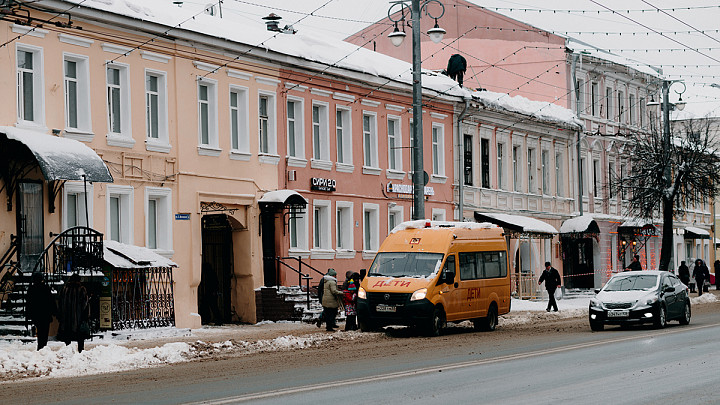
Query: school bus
{"points": [[427, 273]]}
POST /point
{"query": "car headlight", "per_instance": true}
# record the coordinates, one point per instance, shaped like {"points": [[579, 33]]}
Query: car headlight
{"points": [[418, 294], [651, 300], [595, 303], [361, 293]]}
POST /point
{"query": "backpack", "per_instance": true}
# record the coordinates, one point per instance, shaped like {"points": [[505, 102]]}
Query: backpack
{"points": [[321, 289]]}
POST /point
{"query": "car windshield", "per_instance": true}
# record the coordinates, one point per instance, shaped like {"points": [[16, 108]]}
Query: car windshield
{"points": [[632, 282], [405, 264]]}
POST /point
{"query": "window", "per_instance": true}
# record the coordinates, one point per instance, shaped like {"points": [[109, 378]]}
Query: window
{"points": [[609, 104], [611, 174], [77, 93], [321, 224], [631, 109], [371, 234], [485, 162], [156, 107], [75, 210], [119, 226], [580, 96], [394, 144], [395, 217], [517, 181], [621, 106], [321, 136], [297, 224], [438, 150], [118, 96], [207, 114], [500, 167], [266, 123], [596, 178], [344, 226], [343, 135], [545, 162], [641, 120], [29, 85], [583, 177], [438, 214], [532, 171], [468, 159], [595, 99], [158, 224], [239, 132], [559, 175], [296, 132], [479, 265], [370, 158]]}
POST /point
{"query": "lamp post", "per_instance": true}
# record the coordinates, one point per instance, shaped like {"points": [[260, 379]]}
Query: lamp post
{"points": [[397, 36]]}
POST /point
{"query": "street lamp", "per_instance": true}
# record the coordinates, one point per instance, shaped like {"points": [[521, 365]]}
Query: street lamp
{"points": [[396, 37]]}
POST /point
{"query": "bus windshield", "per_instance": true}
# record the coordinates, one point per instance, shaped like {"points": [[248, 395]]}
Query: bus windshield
{"points": [[405, 264]]}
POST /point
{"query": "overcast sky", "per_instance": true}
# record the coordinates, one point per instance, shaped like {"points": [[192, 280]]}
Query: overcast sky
{"points": [[683, 38]]}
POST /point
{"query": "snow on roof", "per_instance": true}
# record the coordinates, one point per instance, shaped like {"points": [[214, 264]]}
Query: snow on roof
{"points": [[125, 256], [420, 224], [61, 158], [577, 224], [279, 196], [697, 231], [636, 223], [526, 223], [326, 50], [540, 110], [591, 50]]}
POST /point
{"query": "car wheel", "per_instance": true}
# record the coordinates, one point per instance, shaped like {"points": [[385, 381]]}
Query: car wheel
{"points": [[596, 326], [437, 322], [685, 319], [661, 319]]}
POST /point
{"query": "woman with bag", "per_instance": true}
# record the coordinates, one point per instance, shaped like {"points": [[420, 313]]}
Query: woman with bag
{"points": [[74, 307]]}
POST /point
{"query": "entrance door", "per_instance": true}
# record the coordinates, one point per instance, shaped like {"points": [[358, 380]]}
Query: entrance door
{"points": [[578, 263], [214, 291], [30, 224]]}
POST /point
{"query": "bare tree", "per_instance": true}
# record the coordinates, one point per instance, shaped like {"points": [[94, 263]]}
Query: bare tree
{"points": [[669, 175]]}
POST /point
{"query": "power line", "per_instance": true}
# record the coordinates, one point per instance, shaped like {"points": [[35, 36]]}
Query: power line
{"points": [[11, 40]]}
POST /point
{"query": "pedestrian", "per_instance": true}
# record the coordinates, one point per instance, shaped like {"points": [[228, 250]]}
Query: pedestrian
{"points": [[40, 308], [331, 300], [700, 274], [634, 264], [320, 291], [74, 313], [684, 273], [350, 298], [716, 268], [552, 281]]}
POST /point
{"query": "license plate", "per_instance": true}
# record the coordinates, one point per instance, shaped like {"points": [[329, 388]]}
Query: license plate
{"points": [[618, 313], [385, 308]]}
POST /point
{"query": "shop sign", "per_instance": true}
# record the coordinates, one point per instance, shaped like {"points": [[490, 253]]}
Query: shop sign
{"points": [[322, 184], [407, 189]]}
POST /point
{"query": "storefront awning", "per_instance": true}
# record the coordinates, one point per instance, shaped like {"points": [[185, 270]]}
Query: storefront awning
{"points": [[692, 232], [518, 226], [283, 197], [637, 227], [59, 158], [125, 256], [584, 224]]}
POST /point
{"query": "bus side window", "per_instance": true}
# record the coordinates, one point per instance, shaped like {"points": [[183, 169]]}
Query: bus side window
{"points": [[448, 272]]}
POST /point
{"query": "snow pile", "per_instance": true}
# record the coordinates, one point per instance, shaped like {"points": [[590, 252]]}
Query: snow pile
{"points": [[541, 110], [706, 298]]}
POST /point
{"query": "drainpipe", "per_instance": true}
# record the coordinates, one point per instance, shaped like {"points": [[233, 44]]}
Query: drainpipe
{"points": [[461, 167]]}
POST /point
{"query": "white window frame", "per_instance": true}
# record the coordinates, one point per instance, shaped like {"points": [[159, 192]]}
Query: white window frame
{"points": [[38, 83], [399, 213], [532, 170], [126, 198], [161, 143], [545, 172], [370, 230], [241, 112], [621, 106], [270, 155], [82, 94], [320, 136], [344, 162], [298, 125], [344, 230], [559, 176], [597, 178], [77, 188], [370, 143], [438, 150], [212, 146], [395, 147], [516, 161], [439, 214], [609, 104], [501, 155], [299, 225], [632, 106], [322, 231], [164, 235], [124, 137]]}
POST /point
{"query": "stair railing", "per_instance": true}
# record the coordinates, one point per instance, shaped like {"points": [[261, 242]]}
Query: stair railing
{"points": [[301, 276], [10, 252], [7, 273], [74, 250]]}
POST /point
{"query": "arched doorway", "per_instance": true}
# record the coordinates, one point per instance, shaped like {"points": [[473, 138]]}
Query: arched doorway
{"points": [[214, 291]]}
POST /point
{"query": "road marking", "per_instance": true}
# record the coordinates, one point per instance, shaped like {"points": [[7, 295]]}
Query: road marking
{"points": [[435, 369]]}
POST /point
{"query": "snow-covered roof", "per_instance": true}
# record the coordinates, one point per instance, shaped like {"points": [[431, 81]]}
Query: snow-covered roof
{"points": [[323, 50], [577, 224], [281, 196], [587, 49], [125, 256], [61, 158], [697, 231], [422, 223], [540, 110], [522, 223]]}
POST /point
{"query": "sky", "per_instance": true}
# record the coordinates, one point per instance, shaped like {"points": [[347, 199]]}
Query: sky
{"points": [[681, 38]]}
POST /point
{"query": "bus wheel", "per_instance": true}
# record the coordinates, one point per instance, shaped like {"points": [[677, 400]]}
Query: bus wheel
{"points": [[489, 323], [366, 325], [436, 323]]}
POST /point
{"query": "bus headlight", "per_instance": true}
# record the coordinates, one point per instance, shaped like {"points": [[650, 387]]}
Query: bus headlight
{"points": [[361, 293], [419, 294]]}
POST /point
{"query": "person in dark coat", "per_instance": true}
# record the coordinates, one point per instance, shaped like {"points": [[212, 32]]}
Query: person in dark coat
{"points": [[716, 268], [552, 280], [40, 308], [456, 68], [332, 297], [74, 313], [634, 264], [684, 273], [700, 274]]}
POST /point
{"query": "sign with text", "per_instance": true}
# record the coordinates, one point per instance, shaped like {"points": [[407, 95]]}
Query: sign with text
{"points": [[182, 217], [321, 184], [407, 189]]}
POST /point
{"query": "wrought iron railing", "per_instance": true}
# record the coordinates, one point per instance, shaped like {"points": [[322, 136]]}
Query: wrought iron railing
{"points": [[142, 298], [8, 273], [78, 249]]}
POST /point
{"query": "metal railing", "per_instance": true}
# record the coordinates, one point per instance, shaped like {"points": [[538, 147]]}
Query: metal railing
{"points": [[78, 249], [524, 286], [301, 276], [142, 298]]}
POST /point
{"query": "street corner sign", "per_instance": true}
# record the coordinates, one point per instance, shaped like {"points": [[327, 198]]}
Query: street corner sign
{"points": [[182, 217]]}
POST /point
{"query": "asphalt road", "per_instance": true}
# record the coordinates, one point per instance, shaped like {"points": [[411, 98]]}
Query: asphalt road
{"points": [[554, 362]]}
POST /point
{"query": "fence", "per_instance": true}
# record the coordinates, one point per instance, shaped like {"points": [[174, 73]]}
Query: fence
{"points": [[142, 298]]}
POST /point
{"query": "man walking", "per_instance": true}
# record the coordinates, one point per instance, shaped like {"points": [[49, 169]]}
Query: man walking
{"points": [[552, 280], [700, 274]]}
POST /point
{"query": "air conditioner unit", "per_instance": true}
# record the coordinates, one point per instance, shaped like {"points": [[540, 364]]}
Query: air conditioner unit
{"points": [[292, 175]]}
